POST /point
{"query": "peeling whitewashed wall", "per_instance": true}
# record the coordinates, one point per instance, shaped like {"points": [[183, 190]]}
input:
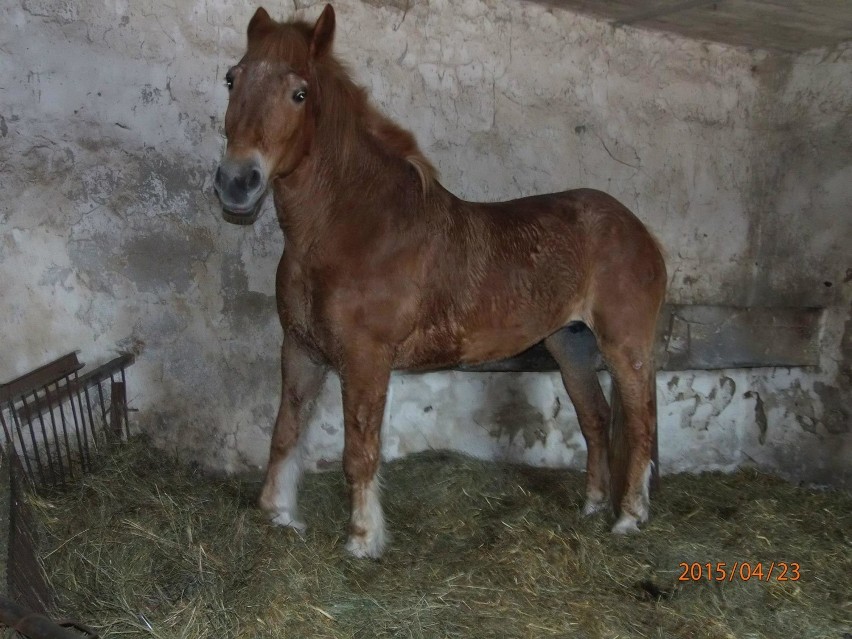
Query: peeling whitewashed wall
{"points": [[111, 238]]}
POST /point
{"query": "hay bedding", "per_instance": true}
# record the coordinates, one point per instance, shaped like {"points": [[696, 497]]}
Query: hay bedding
{"points": [[147, 547]]}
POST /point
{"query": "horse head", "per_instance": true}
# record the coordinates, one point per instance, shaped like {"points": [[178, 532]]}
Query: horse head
{"points": [[271, 109]]}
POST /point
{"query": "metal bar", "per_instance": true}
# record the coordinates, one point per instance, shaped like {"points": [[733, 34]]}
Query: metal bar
{"points": [[41, 376], [40, 414], [83, 415], [22, 446], [89, 408], [12, 453], [56, 402], [124, 404], [65, 437], [82, 445], [102, 403], [35, 444], [76, 428], [102, 372], [6, 433], [115, 412], [48, 389]]}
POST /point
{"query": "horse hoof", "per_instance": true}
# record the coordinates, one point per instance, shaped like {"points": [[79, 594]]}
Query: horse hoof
{"points": [[626, 525], [594, 506], [365, 547], [288, 520]]}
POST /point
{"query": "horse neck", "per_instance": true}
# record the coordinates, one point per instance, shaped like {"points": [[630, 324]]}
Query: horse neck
{"points": [[345, 158]]}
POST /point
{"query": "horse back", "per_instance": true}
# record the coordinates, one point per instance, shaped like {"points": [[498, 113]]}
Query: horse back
{"points": [[511, 273]]}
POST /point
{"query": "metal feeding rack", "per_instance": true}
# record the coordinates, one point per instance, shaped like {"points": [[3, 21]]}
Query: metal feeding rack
{"points": [[55, 420]]}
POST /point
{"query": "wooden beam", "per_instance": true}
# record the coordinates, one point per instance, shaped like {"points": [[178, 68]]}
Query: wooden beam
{"points": [[715, 337], [706, 337], [42, 376]]}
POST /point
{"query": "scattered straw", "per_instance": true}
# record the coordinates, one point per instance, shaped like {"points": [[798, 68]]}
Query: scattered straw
{"points": [[147, 547]]}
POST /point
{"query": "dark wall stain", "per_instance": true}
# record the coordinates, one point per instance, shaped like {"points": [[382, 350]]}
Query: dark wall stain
{"points": [[241, 307], [673, 382], [260, 414], [722, 395], [835, 411], [759, 415], [507, 412]]}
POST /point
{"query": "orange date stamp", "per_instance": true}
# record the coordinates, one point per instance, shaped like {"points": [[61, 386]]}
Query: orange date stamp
{"points": [[720, 571]]}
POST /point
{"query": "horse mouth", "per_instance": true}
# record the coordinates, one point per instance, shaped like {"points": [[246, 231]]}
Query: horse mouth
{"points": [[243, 216]]}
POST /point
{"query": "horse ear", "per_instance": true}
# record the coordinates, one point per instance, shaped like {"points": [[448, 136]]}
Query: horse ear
{"points": [[323, 33], [259, 24]]}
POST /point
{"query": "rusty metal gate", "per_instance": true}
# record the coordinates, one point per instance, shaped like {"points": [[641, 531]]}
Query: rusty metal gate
{"points": [[55, 420]]}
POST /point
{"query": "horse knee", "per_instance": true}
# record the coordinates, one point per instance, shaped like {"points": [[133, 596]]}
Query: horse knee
{"points": [[360, 465]]}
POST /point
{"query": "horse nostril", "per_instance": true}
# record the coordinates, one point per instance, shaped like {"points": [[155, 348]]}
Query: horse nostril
{"points": [[218, 178], [254, 179]]}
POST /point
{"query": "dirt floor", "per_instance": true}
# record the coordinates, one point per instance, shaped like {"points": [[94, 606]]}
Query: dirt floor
{"points": [[147, 547]]}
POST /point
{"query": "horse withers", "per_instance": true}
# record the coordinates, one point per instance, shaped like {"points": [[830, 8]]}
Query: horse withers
{"points": [[384, 269]]}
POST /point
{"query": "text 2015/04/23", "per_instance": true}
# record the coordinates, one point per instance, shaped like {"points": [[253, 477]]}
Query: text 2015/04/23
{"points": [[742, 571]]}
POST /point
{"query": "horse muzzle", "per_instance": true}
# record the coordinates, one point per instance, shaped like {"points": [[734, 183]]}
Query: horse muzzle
{"points": [[241, 187]]}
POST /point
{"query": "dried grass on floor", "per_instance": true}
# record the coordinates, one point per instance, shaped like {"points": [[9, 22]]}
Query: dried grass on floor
{"points": [[150, 548]]}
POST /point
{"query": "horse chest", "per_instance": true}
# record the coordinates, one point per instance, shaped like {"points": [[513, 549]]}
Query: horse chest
{"points": [[299, 303], [328, 307]]}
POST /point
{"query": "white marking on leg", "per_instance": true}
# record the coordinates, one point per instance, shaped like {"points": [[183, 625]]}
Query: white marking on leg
{"points": [[281, 492], [368, 523], [629, 523], [625, 525], [645, 494], [597, 499]]}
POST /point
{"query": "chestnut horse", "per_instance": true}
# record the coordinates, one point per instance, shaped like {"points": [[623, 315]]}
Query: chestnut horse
{"points": [[384, 269]]}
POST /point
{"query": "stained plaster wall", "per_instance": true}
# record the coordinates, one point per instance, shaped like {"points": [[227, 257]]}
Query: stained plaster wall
{"points": [[110, 127]]}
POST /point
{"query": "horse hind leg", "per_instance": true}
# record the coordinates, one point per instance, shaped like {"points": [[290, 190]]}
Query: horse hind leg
{"points": [[575, 350], [633, 372]]}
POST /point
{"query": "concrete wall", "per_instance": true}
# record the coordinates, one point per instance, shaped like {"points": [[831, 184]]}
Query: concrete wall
{"points": [[110, 237]]}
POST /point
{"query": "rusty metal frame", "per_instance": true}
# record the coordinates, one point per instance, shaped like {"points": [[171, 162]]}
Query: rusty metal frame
{"points": [[53, 419], [36, 626], [49, 411]]}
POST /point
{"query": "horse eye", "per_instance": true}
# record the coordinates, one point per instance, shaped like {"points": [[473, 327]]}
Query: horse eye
{"points": [[299, 96], [229, 81]]}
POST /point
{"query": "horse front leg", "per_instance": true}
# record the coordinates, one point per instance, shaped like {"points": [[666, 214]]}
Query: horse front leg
{"points": [[364, 381], [301, 382]]}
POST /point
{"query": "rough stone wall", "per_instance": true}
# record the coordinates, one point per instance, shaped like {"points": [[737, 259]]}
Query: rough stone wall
{"points": [[111, 238]]}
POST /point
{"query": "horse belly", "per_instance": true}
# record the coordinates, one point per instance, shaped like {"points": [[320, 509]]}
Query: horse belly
{"points": [[429, 348], [517, 311], [453, 343], [496, 343]]}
